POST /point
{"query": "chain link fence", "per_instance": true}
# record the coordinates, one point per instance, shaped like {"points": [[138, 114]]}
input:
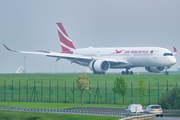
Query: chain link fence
{"points": [[67, 92]]}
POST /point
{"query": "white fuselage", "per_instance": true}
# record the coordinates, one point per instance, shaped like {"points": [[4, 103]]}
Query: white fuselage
{"points": [[135, 56]]}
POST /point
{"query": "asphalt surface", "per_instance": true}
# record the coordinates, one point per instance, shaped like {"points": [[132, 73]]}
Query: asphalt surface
{"points": [[98, 111], [167, 118]]}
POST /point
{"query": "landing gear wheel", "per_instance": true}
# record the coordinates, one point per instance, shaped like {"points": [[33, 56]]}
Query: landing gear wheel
{"points": [[166, 73], [122, 72], [127, 72]]}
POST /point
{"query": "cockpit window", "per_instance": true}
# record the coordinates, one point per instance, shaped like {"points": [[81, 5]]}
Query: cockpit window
{"points": [[167, 54]]}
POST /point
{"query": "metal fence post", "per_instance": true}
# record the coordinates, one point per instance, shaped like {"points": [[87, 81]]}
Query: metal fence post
{"points": [[131, 93], [4, 90], [57, 91], [50, 91], [27, 90], [34, 89], [41, 90], [65, 91], [19, 91], [12, 90], [149, 93], [73, 91], [167, 87], [98, 91], [90, 93], [158, 90], [114, 94], [106, 92]]}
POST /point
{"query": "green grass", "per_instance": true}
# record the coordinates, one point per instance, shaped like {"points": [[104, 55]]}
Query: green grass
{"points": [[63, 93], [42, 105], [13, 115]]}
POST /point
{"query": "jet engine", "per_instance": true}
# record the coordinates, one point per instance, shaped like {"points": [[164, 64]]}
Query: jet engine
{"points": [[99, 66], [154, 69]]}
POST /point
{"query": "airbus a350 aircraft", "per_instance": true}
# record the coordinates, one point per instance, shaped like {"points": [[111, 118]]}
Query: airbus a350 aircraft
{"points": [[100, 60]]}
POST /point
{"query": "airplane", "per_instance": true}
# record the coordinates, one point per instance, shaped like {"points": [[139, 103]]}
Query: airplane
{"points": [[100, 60], [20, 70]]}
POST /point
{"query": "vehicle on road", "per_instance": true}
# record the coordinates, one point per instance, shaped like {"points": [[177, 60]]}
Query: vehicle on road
{"points": [[133, 108], [156, 109]]}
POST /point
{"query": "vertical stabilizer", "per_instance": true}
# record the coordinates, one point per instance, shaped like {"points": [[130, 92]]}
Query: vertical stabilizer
{"points": [[19, 70], [66, 43]]}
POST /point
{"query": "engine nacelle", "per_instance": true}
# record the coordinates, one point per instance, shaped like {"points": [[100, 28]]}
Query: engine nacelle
{"points": [[154, 69], [99, 66]]}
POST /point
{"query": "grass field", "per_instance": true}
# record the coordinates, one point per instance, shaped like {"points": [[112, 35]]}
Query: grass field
{"points": [[13, 115], [43, 105], [61, 88]]}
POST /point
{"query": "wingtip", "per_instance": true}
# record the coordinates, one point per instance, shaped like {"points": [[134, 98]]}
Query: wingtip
{"points": [[7, 47]]}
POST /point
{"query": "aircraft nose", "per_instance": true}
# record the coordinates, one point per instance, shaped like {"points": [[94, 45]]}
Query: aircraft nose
{"points": [[173, 61]]}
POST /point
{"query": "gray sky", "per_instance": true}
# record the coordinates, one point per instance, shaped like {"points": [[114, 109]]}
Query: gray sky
{"points": [[31, 24]]}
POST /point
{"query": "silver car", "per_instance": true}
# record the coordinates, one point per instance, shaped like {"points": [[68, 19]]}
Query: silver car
{"points": [[156, 109]]}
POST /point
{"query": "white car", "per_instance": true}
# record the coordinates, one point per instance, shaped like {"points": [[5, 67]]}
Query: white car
{"points": [[133, 108], [156, 109]]}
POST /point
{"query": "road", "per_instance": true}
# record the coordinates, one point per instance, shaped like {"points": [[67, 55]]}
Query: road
{"points": [[98, 111], [167, 118]]}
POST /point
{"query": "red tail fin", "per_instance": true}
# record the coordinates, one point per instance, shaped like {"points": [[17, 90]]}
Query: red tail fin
{"points": [[66, 43]]}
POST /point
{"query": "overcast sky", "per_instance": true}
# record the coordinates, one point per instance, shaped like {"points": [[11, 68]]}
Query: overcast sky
{"points": [[31, 24]]}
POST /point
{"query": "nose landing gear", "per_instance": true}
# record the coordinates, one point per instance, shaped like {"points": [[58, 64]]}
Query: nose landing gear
{"points": [[166, 72]]}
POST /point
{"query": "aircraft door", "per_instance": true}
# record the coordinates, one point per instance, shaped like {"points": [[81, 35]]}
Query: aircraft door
{"points": [[131, 56], [155, 54]]}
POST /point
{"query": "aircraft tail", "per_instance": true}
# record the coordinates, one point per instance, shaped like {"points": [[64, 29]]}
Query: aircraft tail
{"points": [[19, 70], [66, 43]]}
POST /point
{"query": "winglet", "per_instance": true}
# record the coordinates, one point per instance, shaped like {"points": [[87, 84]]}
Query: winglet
{"points": [[8, 48], [175, 51]]}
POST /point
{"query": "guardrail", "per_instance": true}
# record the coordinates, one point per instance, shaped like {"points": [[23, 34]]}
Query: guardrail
{"points": [[142, 117], [171, 112], [99, 113], [85, 112]]}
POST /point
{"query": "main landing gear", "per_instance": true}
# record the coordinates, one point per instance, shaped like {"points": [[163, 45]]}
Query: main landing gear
{"points": [[127, 72]]}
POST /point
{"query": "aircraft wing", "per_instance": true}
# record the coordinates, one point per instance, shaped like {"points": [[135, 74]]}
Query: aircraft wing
{"points": [[71, 57]]}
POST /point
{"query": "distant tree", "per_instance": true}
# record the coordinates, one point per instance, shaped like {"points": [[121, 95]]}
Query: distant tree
{"points": [[141, 91], [170, 99], [120, 87], [82, 84]]}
